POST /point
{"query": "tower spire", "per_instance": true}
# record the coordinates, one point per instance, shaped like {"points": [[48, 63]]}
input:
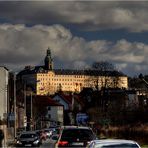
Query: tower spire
{"points": [[48, 60]]}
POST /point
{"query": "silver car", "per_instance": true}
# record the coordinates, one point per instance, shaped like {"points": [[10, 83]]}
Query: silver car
{"points": [[113, 143]]}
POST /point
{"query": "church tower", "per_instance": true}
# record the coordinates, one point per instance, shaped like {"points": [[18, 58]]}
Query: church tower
{"points": [[48, 60]]}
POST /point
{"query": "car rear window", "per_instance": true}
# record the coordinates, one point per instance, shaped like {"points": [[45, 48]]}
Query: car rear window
{"points": [[120, 146], [81, 134]]}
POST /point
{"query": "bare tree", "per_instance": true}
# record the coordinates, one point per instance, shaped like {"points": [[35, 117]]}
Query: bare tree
{"points": [[104, 75], [103, 66]]}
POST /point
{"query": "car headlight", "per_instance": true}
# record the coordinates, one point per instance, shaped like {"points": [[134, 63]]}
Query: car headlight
{"points": [[18, 142], [36, 141]]}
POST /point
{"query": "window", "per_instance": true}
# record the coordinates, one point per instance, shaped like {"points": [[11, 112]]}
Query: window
{"points": [[49, 116], [49, 108], [82, 134]]}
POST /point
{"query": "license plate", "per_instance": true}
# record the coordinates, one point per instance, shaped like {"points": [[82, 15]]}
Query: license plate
{"points": [[27, 144], [78, 143]]}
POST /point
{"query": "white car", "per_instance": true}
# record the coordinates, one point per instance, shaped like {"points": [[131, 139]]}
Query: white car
{"points": [[113, 143]]}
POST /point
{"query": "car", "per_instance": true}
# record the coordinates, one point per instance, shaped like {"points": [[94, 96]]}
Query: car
{"points": [[75, 136], [28, 138], [113, 143], [48, 132], [53, 139], [38, 132], [55, 130]]}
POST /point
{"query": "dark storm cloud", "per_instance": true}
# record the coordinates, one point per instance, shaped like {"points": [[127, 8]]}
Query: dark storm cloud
{"points": [[95, 15], [29, 12]]}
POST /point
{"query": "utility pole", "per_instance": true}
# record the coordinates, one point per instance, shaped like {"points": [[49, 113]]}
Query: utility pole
{"points": [[31, 108], [15, 113], [25, 116]]}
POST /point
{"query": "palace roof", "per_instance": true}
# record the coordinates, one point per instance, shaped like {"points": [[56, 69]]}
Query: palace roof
{"points": [[88, 72]]}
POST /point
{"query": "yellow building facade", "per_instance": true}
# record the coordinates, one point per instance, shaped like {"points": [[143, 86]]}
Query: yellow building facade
{"points": [[47, 80]]}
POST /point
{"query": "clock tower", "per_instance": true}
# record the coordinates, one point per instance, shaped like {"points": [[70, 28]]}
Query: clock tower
{"points": [[48, 60]]}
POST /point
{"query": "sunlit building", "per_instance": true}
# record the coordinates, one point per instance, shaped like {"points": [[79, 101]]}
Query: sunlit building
{"points": [[46, 80]]}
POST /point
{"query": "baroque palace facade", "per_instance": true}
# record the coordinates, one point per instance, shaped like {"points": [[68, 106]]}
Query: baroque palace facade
{"points": [[46, 80]]}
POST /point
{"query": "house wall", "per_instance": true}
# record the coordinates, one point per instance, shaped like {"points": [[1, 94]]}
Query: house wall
{"points": [[61, 101], [132, 101], [3, 92], [30, 79], [56, 113]]}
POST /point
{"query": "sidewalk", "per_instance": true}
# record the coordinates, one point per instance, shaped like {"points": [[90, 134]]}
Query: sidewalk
{"points": [[10, 143]]}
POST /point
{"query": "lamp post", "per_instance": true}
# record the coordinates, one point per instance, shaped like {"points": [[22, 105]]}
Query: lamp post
{"points": [[31, 107], [28, 114], [25, 116], [15, 113]]}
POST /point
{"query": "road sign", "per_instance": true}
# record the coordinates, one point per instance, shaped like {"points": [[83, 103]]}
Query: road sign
{"points": [[82, 118], [25, 124], [11, 117], [25, 121]]}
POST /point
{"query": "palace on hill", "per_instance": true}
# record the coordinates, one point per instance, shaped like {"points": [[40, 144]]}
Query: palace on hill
{"points": [[46, 80]]}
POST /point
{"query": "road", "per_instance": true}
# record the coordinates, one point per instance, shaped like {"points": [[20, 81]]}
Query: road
{"points": [[48, 144]]}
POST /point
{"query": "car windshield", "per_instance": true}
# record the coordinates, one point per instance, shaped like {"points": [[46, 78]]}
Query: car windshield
{"points": [[81, 134], [28, 135]]}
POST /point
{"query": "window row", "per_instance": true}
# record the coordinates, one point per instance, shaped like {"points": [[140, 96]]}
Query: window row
{"points": [[58, 84]]}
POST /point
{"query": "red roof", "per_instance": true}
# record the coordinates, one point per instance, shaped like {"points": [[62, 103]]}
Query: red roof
{"points": [[68, 98], [45, 100]]}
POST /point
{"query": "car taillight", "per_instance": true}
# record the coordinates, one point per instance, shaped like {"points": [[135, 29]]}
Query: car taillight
{"points": [[62, 143]]}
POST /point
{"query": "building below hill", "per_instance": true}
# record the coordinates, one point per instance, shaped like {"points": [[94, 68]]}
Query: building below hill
{"points": [[46, 80], [4, 79]]}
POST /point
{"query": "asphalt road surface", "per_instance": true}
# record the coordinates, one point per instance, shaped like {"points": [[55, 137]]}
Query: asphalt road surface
{"points": [[47, 143]]}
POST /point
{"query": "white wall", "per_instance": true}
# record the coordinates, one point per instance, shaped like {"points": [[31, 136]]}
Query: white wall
{"points": [[61, 101], [3, 91], [56, 113]]}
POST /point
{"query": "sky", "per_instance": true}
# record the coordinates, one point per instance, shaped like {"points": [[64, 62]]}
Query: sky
{"points": [[78, 33]]}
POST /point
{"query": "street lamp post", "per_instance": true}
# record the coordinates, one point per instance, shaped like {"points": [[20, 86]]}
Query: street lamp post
{"points": [[31, 107], [25, 116], [15, 113]]}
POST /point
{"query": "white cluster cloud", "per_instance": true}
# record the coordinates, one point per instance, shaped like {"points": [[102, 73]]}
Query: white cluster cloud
{"points": [[22, 45]]}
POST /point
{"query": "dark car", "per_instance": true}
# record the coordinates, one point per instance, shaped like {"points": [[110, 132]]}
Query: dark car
{"points": [[28, 138], [75, 136]]}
